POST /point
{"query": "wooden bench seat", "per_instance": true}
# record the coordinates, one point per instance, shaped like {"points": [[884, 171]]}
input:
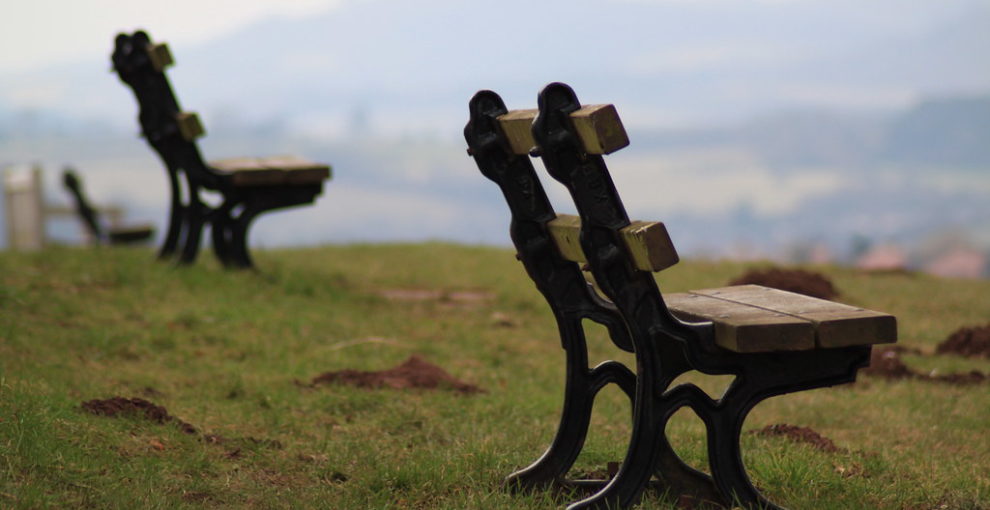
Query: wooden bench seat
{"points": [[752, 318], [271, 171]]}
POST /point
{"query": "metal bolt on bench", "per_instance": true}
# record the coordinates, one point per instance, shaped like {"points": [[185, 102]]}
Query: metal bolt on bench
{"points": [[249, 186], [774, 342]]}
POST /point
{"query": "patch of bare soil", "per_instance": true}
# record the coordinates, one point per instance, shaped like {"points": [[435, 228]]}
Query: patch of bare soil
{"points": [[117, 406], [798, 281], [797, 434], [135, 407], [442, 296], [415, 372], [689, 502], [904, 349], [971, 342], [887, 364]]}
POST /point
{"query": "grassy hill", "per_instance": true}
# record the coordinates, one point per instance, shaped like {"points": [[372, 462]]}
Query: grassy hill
{"points": [[232, 354]]}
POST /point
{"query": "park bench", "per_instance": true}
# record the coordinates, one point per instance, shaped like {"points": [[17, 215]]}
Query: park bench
{"points": [[773, 342], [249, 186], [90, 217]]}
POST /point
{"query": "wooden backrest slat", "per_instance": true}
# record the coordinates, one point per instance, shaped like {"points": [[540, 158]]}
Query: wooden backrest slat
{"points": [[597, 126], [647, 242]]}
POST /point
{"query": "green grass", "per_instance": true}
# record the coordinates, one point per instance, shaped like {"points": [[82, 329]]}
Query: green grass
{"points": [[225, 351]]}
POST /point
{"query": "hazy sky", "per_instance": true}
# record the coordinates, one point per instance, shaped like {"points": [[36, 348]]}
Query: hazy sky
{"points": [[34, 33]]}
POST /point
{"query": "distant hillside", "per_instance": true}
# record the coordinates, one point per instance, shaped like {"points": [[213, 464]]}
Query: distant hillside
{"points": [[948, 132]]}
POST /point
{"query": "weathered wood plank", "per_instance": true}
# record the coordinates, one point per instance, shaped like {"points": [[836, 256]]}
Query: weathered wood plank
{"points": [[650, 245], [836, 324], [565, 230], [599, 128], [190, 126], [648, 242], [160, 56], [517, 126], [744, 328]]}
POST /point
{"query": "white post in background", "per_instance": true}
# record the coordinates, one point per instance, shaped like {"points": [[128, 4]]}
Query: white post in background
{"points": [[25, 210]]}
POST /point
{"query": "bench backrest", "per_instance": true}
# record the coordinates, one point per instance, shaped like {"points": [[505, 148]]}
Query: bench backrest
{"points": [[599, 131], [87, 213], [556, 275], [562, 140], [171, 132]]}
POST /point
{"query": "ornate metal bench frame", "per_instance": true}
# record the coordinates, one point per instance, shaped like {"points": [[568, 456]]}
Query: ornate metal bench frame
{"points": [[664, 346], [172, 134]]}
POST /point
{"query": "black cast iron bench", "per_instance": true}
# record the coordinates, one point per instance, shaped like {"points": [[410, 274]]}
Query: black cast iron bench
{"points": [[249, 186], [774, 342], [90, 217]]}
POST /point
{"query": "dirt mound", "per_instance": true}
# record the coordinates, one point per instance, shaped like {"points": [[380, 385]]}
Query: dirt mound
{"points": [[469, 297], [972, 342], [117, 406], [961, 379], [887, 364], [135, 407], [800, 435], [792, 280], [415, 372]]}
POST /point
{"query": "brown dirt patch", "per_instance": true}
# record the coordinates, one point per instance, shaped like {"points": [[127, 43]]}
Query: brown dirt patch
{"points": [[971, 342], [415, 372], [118, 406], [442, 296], [797, 434], [887, 364], [799, 281]]}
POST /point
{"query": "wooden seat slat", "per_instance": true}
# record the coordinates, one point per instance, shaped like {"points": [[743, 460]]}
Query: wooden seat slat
{"points": [[744, 328]]}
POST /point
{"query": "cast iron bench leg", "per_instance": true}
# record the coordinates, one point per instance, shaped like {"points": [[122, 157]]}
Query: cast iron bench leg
{"points": [[220, 231], [579, 397], [723, 423], [239, 255], [649, 452], [197, 215], [724, 455], [638, 467], [176, 219]]}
